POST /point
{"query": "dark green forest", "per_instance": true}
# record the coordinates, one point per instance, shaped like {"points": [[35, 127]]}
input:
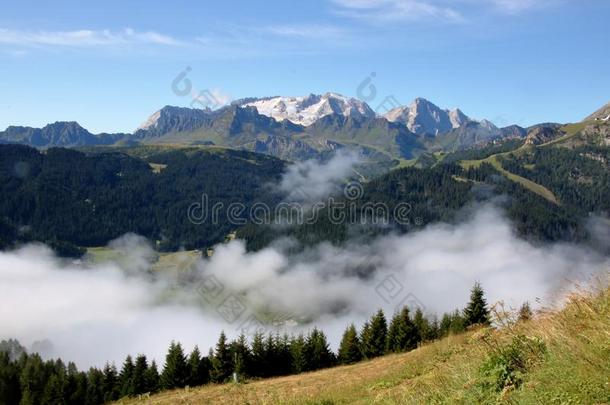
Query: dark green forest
{"points": [[73, 199], [70, 199]]}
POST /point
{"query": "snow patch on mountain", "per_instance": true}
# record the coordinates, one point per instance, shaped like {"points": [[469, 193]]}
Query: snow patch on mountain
{"points": [[308, 109]]}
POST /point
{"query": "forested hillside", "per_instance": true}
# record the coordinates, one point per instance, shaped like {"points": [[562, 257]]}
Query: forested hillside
{"points": [[69, 198]]}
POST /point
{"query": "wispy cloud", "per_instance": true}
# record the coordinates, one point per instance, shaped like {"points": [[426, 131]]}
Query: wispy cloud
{"points": [[518, 6], [383, 11], [397, 10], [85, 38], [306, 31]]}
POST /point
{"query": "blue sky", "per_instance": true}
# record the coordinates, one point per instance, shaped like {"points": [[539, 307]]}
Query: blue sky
{"points": [[109, 65]]}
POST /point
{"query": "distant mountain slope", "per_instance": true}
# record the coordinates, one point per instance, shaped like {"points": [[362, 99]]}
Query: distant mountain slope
{"points": [[298, 128], [603, 114], [57, 134]]}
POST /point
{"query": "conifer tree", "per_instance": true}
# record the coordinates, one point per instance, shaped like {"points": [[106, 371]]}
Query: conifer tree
{"points": [[349, 349], [110, 383], [197, 373], [458, 323], [257, 367], [421, 324], [139, 382], [126, 377], [445, 324], [54, 390], [373, 339], [270, 362], [10, 389], [152, 378], [476, 311], [95, 387], [402, 333], [317, 351], [297, 352], [284, 356], [222, 363], [241, 355], [33, 380], [175, 370]]}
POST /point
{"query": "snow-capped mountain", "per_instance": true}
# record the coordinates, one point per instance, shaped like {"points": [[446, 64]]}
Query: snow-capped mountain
{"points": [[424, 117], [308, 109]]}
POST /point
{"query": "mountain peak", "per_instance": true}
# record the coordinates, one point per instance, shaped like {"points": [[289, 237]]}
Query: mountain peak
{"points": [[172, 116], [305, 110], [424, 117]]}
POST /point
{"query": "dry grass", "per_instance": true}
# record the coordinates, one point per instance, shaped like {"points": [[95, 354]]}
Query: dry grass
{"points": [[574, 370]]}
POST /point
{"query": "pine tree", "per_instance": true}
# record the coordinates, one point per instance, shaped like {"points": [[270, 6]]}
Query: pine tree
{"points": [[257, 367], [476, 311], [270, 356], [79, 393], [445, 325], [458, 323], [110, 383], [54, 390], [139, 382], [241, 355], [374, 335], [126, 377], [403, 335], [433, 329], [421, 324], [152, 378], [317, 351], [175, 370], [365, 337], [196, 371], [33, 380], [297, 352], [222, 363], [284, 356], [95, 387], [10, 388], [349, 349]]}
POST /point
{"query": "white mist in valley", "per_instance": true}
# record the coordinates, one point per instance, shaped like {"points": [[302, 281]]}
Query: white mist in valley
{"points": [[91, 312]]}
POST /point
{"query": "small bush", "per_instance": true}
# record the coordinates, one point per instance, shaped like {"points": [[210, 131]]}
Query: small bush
{"points": [[506, 366]]}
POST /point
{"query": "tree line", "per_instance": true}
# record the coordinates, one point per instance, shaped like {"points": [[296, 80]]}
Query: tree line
{"points": [[27, 379]]}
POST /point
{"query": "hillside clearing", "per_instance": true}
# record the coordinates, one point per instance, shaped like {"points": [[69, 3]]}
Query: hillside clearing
{"points": [[528, 184]]}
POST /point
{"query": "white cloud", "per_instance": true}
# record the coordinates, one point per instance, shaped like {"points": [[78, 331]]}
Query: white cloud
{"points": [[85, 38], [383, 11], [312, 180], [517, 6], [122, 307], [397, 10], [305, 31]]}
